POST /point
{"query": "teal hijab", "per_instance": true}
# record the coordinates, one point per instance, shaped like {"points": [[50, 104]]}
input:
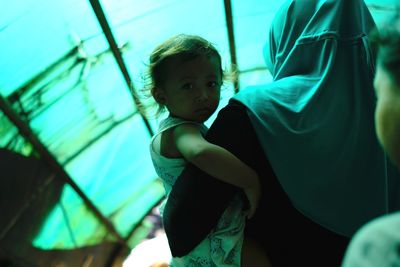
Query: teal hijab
{"points": [[315, 121]]}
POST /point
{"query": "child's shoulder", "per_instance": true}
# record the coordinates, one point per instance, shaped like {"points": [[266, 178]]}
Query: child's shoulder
{"points": [[173, 122]]}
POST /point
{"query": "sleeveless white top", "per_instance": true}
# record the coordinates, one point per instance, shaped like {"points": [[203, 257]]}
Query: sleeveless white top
{"points": [[222, 247]]}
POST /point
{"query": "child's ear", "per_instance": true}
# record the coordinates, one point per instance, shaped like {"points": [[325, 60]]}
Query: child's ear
{"points": [[159, 95]]}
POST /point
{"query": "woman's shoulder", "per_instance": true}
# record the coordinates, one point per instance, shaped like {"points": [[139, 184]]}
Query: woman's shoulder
{"points": [[377, 243], [381, 225]]}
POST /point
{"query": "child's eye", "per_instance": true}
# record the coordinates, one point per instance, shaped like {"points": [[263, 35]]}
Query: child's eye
{"points": [[213, 84], [187, 86]]}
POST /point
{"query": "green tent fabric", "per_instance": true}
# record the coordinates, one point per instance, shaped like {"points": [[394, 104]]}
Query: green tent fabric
{"points": [[61, 85]]}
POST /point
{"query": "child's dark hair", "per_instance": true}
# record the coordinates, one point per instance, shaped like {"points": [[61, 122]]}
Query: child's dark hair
{"points": [[187, 47], [386, 41]]}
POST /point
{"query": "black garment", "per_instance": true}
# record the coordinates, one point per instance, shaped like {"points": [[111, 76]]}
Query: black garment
{"points": [[197, 200]]}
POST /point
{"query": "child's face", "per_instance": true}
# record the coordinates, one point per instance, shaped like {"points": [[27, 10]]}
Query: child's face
{"points": [[387, 114], [192, 88]]}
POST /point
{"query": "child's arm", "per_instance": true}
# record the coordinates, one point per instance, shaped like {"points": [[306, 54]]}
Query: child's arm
{"points": [[217, 162]]}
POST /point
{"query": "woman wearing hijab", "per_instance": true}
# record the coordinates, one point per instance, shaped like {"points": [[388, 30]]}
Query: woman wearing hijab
{"points": [[378, 242], [310, 137]]}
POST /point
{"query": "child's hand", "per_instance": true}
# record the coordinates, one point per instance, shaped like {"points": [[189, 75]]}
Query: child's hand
{"points": [[253, 195]]}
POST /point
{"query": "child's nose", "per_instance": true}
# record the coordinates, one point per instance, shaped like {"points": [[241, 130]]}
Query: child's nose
{"points": [[202, 96]]}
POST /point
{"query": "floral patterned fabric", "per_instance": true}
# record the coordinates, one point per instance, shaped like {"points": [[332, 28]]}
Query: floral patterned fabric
{"points": [[376, 244]]}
